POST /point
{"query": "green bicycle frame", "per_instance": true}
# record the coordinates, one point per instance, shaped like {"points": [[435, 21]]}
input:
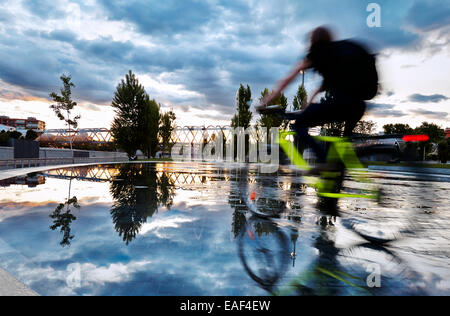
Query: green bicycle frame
{"points": [[341, 149]]}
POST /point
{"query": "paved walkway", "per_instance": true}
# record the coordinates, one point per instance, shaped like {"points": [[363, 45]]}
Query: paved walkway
{"points": [[10, 173], [10, 286]]}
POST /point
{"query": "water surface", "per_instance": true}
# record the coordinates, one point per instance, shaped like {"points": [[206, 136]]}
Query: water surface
{"points": [[186, 229]]}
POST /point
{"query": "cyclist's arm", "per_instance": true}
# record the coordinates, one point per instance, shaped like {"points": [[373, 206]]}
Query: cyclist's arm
{"points": [[305, 64]]}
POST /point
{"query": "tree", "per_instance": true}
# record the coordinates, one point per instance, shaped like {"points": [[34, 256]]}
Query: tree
{"points": [[31, 135], [333, 129], [273, 120], [149, 127], [166, 129], [443, 150], [400, 129], [64, 105], [365, 128], [15, 135], [4, 138], [434, 132], [63, 219], [136, 123], [244, 115], [300, 99]]}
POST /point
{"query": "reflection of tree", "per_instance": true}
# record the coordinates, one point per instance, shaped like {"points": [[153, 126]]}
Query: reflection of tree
{"points": [[63, 218], [138, 192]]}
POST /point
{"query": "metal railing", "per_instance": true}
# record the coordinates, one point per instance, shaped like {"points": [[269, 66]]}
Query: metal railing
{"points": [[43, 162]]}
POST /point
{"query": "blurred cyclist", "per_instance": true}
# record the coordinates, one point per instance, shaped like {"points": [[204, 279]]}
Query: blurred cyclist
{"points": [[349, 77]]}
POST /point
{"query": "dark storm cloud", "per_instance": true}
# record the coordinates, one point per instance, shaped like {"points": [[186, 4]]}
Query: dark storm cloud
{"points": [[207, 47], [430, 114], [164, 18], [434, 98], [429, 15]]}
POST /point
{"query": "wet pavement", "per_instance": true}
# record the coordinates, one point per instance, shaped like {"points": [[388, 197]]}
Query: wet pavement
{"points": [[191, 229]]}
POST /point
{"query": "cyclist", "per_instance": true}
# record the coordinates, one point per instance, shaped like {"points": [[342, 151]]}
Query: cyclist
{"points": [[349, 77]]}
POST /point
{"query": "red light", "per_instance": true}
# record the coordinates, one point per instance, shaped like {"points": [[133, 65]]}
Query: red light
{"points": [[415, 138]]}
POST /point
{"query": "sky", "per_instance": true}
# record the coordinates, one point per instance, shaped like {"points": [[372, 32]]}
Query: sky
{"points": [[191, 56]]}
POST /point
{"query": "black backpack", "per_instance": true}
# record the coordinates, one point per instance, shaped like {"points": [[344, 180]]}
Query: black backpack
{"points": [[360, 68], [369, 78]]}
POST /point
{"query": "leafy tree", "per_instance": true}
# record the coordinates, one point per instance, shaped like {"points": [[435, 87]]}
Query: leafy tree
{"points": [[401, 129], [365, 128], [4, 138], [63, 218], [443, 150], [167, 127], [136, 123], [300, 99], [273, 120], [149, 127], [31, 135], [64, 104], [244, 115], [434, 132], [333, 129], [15, 135]]}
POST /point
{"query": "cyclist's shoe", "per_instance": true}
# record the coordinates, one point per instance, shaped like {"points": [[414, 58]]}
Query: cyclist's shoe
{"points": [[271, 109]]}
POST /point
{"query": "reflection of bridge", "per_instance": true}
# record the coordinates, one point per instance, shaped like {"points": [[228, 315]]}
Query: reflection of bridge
{"points": [[112, 173]]}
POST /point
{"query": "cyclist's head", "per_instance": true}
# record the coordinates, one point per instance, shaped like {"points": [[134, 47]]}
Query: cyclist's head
{"points": [[321, 34]]}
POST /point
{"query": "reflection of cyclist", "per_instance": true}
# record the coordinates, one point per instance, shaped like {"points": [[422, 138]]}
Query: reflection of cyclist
{"points": [[349, 78]]}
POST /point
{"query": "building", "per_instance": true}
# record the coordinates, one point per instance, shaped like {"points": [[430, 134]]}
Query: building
{"points": [[447, 132], [23, 124]]}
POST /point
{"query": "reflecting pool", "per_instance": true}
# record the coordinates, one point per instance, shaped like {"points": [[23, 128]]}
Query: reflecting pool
{"points": [[191, 229]]}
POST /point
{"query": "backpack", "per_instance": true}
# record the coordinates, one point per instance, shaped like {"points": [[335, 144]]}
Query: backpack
{"points": [[369, 78], [360, 69]]}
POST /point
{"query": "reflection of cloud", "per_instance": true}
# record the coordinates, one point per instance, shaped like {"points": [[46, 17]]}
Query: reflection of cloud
{"points": [[116, 272], [159, 224]]}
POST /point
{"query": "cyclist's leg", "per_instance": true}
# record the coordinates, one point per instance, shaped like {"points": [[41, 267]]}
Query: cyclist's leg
{"points": [[303, 120], [316, 114], [356, 113]]}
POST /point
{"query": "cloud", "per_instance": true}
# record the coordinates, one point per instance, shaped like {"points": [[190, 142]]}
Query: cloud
{"points": [[434, 98], [205, 49], [383, 110], [161, 18], [429, 15], [430, 114], [91, 107]]}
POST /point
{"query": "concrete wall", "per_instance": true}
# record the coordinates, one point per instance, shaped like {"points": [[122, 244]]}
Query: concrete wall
{"points": [[66, 153], [8, 153]]}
